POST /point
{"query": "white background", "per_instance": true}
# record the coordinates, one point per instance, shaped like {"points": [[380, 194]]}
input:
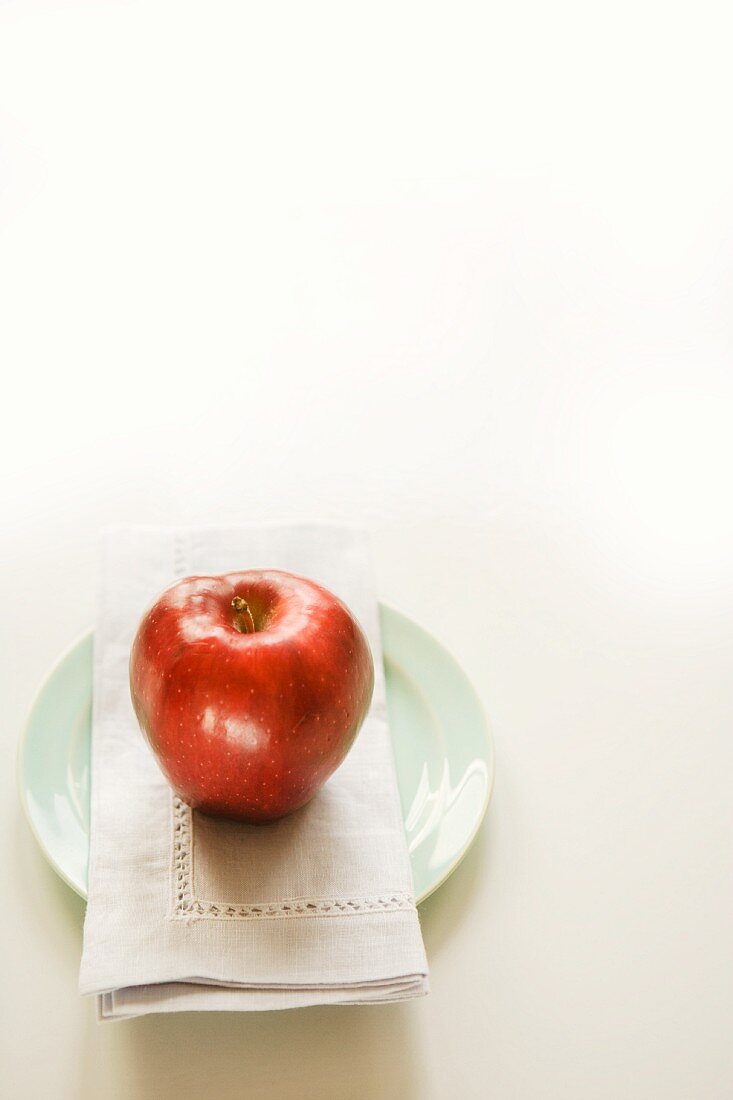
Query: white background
{"points": [[461, 272]]}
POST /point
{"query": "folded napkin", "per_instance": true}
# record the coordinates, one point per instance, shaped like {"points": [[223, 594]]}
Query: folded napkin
{"points": [[188, 912]]}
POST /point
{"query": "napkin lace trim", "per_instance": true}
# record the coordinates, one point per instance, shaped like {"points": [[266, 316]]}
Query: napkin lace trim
{"points": [[187, 906]]}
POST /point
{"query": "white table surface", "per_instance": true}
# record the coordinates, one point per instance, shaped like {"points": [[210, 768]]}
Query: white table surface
{"points": [[464, 275]]}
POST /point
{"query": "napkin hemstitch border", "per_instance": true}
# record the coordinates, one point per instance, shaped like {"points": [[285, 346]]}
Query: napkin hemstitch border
{"points": [[185, 906]]}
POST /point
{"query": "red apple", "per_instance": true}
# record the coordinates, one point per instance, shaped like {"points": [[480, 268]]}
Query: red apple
{"points": [[250, 689]]}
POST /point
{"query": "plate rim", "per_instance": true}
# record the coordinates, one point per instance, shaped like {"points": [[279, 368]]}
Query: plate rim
{"points": [[20, 758], [486, 735]]}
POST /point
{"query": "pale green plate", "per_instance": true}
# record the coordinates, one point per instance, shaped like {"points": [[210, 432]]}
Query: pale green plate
{"points": [[445, 761]]}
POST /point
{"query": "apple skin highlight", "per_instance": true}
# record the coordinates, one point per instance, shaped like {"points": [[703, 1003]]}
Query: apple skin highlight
{"points": [[250, 689]]}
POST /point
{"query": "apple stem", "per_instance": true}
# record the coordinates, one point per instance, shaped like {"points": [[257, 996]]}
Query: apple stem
{"points": [[243, 620]]}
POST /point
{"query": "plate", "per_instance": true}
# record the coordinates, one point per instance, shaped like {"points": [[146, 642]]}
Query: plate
{"points": [[441, 738]]}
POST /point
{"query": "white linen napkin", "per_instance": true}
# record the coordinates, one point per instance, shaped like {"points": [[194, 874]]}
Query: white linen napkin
{"points": [[188, 912]]}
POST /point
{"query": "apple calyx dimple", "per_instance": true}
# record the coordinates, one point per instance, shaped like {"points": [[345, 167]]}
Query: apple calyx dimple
{"points": [[243, 621]]}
